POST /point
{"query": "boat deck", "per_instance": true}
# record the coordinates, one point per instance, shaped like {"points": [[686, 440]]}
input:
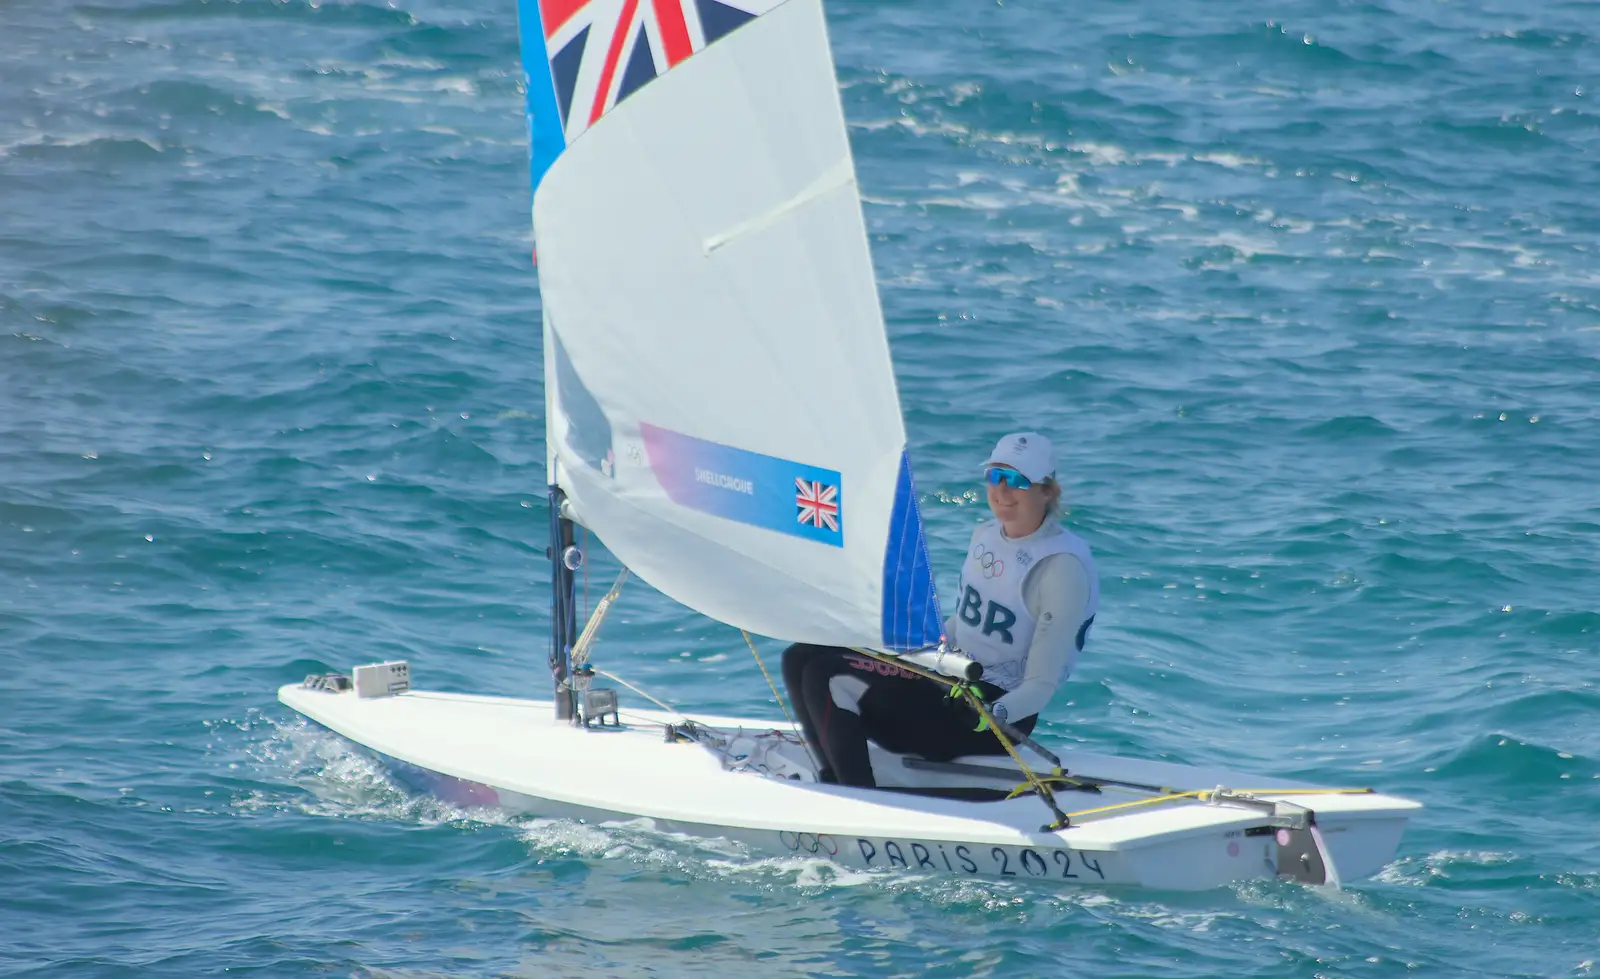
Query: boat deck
{"points": [[516, 746]]}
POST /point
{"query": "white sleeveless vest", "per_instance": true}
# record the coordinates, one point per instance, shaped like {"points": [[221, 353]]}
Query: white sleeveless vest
{"points": [[993, 623]]}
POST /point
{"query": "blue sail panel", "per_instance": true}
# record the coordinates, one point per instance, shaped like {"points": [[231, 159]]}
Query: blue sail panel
{"points": [[546, 134], [911, 617]]}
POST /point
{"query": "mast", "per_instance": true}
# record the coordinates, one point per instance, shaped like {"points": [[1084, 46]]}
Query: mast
{"points": [[547, 139], [565, 558]]}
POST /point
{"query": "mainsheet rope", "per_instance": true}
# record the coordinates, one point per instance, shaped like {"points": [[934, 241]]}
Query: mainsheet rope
{"points": [[969, 694], [792, 723]]}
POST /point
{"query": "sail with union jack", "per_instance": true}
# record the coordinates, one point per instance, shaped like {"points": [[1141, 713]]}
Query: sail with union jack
{"points": [[702, 211], [599, 52]]}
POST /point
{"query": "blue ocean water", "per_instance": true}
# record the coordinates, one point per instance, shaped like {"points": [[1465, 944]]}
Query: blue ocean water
{"points": [[1309, 293]]}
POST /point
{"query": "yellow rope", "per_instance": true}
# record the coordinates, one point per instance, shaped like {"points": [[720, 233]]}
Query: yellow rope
{"points": [[774, 687], [976, 703], [792, 723], [1058, 778], [1038, 783], [580, 649], [1202, 795], [1137, 802]]}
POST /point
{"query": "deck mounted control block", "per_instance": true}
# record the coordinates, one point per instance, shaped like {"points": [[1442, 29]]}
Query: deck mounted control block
{"points": [[383, 679]]}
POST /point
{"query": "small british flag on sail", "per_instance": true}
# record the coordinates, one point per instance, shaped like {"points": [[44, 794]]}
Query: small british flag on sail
{"points": [[602, 51], [818, 504]]}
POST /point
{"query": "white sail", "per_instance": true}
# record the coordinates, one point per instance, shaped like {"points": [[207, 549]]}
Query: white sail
{"points": [[723, 410]]}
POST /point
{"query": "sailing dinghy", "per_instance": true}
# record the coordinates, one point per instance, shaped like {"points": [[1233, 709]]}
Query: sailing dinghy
{"points": [[721, 411]]}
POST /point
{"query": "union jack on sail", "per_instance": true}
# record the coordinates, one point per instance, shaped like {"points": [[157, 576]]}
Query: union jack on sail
{"points": [[818, 504], [602, 51]]}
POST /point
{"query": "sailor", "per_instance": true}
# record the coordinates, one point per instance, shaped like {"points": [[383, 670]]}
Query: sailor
{"points": [[1024, 604]]}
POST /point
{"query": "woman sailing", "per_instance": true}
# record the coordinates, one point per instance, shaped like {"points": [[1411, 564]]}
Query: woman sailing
{"points": [[1026, 598]]}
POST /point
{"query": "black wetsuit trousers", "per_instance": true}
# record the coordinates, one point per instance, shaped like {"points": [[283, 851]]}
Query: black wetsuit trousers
{"points": [[900, 710]]}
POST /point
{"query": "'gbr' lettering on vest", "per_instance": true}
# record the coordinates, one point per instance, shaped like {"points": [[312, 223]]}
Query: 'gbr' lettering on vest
{"points": [[996, 618]]}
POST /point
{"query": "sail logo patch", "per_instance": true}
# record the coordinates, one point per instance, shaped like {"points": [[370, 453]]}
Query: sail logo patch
{"points": [[748, 487]]}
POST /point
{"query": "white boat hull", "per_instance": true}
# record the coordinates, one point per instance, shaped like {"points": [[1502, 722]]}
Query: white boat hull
{"points": [[511, 753]]}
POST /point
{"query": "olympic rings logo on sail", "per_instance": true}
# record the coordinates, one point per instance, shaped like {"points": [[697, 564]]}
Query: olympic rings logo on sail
{"points": [[809, 842]]}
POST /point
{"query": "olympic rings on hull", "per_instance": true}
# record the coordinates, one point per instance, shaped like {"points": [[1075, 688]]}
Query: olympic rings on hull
{"points": [[809, 842]]}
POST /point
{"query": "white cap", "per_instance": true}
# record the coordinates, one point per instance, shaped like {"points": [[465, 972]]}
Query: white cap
{"points": [[1029, 453]]}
